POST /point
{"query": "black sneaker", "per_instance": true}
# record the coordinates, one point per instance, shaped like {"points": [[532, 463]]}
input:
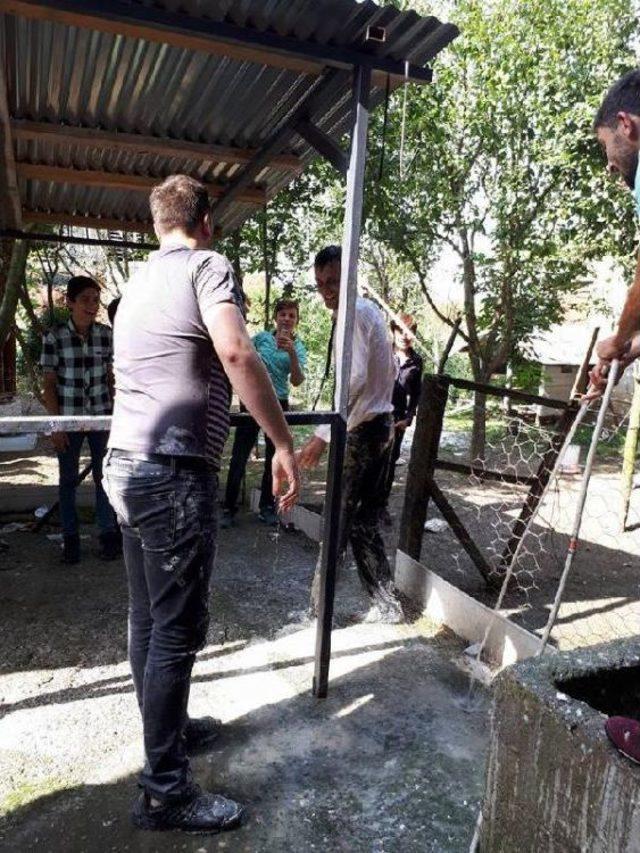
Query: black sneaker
{"points": [[268, 516], [201, 814], [227, 519], [71, 549], [110, 545], [200, 733]]}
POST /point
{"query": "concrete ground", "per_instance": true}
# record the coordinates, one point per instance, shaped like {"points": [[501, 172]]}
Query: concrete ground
{"points": [[390, 761]]}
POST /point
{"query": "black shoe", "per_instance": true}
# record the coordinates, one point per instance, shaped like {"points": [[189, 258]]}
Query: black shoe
{"points": [[110, 545], [227, 519], [201, 814], [200, 733], [71, 549], [267, 515]]}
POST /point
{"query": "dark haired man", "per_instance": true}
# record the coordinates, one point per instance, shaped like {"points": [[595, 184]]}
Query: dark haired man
{"points": [[179, 338], [617, 126], [284, 356], [406, 392], [369, 440], [76, 364]]}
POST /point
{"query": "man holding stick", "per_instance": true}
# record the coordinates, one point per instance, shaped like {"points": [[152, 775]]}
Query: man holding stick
{"points": [[179, 338], [617, 126]]}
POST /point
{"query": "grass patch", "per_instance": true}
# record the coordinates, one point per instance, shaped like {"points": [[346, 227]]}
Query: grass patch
{"points": [[27, 792]]}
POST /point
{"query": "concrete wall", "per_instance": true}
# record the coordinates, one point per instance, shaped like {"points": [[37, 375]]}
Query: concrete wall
{"points": [[554, 782]]}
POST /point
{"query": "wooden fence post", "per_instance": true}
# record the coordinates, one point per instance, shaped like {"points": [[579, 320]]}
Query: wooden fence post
{"points": [[422, 463]]}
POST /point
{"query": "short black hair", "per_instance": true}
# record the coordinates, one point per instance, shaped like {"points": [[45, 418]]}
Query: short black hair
{"points": [[112, 308], [623, 96], [78, 283], [327, 256]]}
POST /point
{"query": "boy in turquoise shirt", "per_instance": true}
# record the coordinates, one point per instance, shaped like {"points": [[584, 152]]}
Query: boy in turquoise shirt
{"points": [[284, 356]]}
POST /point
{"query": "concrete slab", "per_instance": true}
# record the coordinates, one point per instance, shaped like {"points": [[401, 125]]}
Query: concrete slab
{"points": [[391, 761], [447, 605]]}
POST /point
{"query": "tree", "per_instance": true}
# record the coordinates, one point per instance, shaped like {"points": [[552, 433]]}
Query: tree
{"points": [[501, 167]]}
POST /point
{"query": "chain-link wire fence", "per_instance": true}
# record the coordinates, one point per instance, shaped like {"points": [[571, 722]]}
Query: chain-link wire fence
{"points": [[518, 512]]}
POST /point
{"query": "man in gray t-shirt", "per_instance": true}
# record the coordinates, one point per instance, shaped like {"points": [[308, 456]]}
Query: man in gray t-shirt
{"points": [[180, 340]]}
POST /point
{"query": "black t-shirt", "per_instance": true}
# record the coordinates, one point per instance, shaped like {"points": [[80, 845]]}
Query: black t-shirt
{"points": [[172, 394]]}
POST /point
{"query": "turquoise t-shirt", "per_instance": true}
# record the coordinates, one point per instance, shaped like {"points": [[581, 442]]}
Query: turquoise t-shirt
{"points": [[277, 361]]}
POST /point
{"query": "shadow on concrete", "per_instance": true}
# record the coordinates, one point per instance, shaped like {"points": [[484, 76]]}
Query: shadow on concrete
{"points": [[388, 762]]}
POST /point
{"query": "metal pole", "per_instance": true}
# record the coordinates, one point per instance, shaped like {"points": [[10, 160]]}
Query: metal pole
{"points": [[344, 338], [573, 541]]}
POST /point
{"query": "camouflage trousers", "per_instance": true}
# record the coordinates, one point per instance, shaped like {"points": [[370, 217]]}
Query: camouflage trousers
{"points": [[363, 498]]}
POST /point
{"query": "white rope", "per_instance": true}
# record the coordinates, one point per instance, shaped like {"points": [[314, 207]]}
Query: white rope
{"points": [[403, 130]]}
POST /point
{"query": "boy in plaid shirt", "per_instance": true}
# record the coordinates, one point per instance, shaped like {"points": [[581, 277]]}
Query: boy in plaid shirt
{"points": [[78, 380]]}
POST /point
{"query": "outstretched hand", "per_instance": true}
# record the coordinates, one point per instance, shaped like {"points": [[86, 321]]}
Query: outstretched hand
{"points": [[285, 473], [311, 452]]}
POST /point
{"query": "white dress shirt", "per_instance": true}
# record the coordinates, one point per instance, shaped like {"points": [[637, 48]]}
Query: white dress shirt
{"points": [[372, 369]]}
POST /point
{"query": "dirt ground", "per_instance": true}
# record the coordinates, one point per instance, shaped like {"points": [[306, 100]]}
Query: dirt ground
{"points": [[392, 761]]}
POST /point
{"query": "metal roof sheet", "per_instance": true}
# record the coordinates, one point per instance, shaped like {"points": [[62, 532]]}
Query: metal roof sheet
{"points": [[83, 77]]}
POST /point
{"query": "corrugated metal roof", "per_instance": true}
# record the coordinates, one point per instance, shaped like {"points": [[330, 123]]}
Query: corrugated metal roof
{"points": [[81, 77]]}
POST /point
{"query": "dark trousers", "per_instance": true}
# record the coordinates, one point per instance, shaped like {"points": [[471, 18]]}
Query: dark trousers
{"points": [[243, 441], [363, 498], [394, 455], [69, 469], [167, 514]]}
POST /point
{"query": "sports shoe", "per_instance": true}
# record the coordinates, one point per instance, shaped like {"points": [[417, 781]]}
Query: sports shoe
{"points": [[201, 732], [201, 813], [71, 549], [624, 733], [268, 516], [227, 519], [110, 545], [384, 612]]}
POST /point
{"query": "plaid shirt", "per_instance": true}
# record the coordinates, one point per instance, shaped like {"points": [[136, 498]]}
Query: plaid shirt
{"points": [[81, 366]]}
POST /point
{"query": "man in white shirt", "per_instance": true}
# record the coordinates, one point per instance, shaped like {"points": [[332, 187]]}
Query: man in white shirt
{"points": [[369, 441]]}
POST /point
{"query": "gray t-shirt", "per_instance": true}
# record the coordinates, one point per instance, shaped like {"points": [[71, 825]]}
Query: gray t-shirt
{"points": [[172, 394]]}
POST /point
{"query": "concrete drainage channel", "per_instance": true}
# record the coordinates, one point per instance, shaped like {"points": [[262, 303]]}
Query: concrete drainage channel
{"points": [[554, 781]]}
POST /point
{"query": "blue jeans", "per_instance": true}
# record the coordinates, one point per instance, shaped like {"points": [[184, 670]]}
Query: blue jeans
{"points": [[69, 469], [166, 509]]}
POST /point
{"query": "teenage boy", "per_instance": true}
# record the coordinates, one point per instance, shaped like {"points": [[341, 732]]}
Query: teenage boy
{"points": [[285, 357], [406, 391], [369, 434], [180, 339], [76, 364]]}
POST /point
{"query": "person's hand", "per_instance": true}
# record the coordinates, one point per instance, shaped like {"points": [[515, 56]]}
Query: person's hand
{"points": [[284, 341], [401, 426], [311, 452], [60, 441], [284, 469], [610, 348]]}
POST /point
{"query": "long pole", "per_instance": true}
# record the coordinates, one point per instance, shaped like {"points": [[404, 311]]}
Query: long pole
{"points": [[577, 523], [344, 337]]}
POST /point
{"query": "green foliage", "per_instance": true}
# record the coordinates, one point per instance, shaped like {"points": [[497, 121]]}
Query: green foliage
{"points": [[501, 166]]}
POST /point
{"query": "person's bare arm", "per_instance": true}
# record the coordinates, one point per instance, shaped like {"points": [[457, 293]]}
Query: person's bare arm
{"points": [[628, 325], [297, 373], [250, 379], [50, 398]]}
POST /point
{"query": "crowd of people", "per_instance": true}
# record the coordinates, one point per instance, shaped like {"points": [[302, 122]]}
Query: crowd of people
{"points": [[178, 347]]}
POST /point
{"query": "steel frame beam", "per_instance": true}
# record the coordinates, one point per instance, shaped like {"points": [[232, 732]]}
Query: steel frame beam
{"points": [[323, 144], [264, 47], [329, 553]]}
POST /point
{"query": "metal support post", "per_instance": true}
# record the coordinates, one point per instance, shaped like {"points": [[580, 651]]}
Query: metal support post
{"points": [[344, 338]]}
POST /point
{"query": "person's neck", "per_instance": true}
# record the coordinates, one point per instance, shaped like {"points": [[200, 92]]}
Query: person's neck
{"points": [[179, 238], [83, 330]]}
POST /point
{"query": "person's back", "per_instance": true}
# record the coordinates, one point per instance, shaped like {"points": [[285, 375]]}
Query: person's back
{"points": [[179, 334], [172, 393]]}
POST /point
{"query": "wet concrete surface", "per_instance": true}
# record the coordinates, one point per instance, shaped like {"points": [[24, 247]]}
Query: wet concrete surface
{"points": [[390, 761]]}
